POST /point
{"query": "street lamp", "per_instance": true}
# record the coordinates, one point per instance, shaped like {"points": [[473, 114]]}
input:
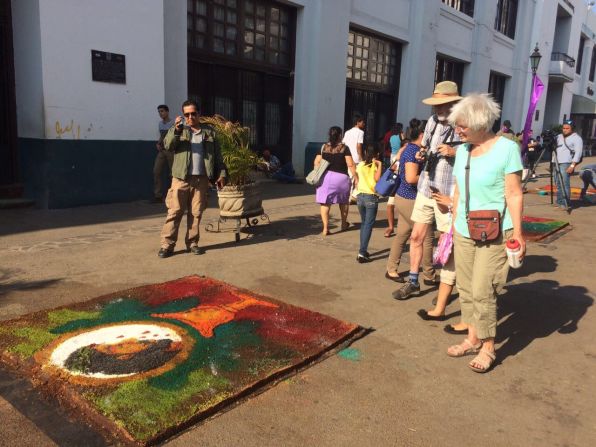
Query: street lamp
{"points": [[535, 60], [535, 93]]}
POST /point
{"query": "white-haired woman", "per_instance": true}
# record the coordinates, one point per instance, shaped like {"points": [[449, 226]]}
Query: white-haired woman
{"points": [[493, 168]]}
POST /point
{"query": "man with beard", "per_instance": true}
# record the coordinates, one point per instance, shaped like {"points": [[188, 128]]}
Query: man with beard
{"points": [[435, 182]]}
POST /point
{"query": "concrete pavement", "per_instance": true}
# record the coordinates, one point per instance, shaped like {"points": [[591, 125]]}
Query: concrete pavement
{"points": [[403, 390]]}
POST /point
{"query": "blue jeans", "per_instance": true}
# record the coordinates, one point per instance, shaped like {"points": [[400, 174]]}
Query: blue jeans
{"points": [[565, 187], [367, 205], [285, 174]]}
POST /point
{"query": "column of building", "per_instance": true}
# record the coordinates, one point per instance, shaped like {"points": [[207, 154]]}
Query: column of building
{"points": [[320, 73]]}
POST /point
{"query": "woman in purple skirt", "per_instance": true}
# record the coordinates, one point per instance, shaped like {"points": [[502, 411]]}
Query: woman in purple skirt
{"points": [[335, 187]]}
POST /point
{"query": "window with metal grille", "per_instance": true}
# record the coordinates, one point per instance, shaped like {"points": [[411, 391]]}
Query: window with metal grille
{"points": [[465, 6], [593, 64], [256, 30], [447, 69], [371, 60], [580, 55], [506, 17], [496, 87]]}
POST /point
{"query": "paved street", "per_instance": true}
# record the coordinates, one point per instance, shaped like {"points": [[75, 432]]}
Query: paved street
{"points": [[402, 389]]}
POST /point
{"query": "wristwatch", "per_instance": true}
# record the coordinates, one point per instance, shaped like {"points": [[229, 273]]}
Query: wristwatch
{"points": [[573, 165]]}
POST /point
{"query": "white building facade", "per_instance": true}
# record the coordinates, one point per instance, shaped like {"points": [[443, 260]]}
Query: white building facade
{"points": [[88, 76]]}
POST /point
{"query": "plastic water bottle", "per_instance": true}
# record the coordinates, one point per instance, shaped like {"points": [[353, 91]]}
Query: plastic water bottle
{"points": [[513, 249]]}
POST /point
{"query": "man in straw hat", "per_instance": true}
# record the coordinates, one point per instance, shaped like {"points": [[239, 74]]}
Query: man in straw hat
{"points": [[435, 187]]}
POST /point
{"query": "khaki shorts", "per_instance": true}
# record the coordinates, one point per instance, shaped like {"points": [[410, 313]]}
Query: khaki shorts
{"points": [[426, 211], [391, 200]]}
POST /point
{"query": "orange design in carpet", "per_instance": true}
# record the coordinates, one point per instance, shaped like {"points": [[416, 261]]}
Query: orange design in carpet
{"points": [[205, 318]]}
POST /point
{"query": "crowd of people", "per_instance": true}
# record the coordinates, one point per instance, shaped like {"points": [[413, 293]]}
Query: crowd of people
{"points": [[452, 170], [453, 175]]}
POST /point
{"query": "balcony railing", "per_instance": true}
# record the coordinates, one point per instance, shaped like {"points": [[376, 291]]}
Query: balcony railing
{"points": [[562, 57], [465, 6], [561, 67]]}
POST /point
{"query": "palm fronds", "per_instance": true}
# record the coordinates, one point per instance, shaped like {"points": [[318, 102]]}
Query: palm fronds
{"points": [[233, 140]]}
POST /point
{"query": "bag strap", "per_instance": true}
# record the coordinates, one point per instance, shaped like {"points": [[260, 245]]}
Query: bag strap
{"points": [[449, 134], [468, 184], [568, 148], [468, 188], [429, 141]]}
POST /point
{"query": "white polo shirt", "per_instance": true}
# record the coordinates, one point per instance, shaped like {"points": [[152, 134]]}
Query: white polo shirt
{"points": [[351, 139]]}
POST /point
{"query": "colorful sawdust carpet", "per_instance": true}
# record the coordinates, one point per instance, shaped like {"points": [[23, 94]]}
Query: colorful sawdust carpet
{"points": [[145, 363], [575, 192], [537, 228]]}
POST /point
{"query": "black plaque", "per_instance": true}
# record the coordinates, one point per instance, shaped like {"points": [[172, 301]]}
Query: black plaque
{"points": [[108, 67]]}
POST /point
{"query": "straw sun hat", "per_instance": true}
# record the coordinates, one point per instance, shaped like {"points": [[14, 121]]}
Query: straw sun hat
{"points": [[445, 92]]}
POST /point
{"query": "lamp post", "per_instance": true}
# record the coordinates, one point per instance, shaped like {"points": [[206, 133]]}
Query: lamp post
{"points": [[535, 93], [535, 60]]}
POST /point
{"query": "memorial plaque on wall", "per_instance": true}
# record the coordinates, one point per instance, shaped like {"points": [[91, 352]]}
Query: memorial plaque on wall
{"points": [[108, 67]]}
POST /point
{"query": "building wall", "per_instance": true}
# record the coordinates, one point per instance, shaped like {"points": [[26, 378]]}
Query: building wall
{"points": [[175, 55], [28, 68], [564, 36], [70, 29], [57, 100]]}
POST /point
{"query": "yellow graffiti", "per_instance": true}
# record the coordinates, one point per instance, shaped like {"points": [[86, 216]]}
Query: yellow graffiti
{"points": [[74, 131]]}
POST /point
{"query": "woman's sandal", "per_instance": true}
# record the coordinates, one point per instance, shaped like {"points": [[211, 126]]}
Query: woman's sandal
{"points": [[485, 359], [465, 348], [345, 226]]}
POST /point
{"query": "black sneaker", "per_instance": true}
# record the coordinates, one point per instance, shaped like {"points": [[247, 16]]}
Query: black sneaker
{"points": [[195, 250], [165, 252], [362, 259], [406, 291], [434, 281]]}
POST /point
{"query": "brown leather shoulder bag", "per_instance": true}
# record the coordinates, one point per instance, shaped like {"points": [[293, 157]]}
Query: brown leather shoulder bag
{"points": [[483, 225]]}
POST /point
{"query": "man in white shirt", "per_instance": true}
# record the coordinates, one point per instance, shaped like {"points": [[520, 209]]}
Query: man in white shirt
{"points": [[354, 139]]}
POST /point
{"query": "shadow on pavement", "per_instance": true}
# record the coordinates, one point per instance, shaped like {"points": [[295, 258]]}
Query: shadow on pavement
{"points": [[281, 229], [538, 309], [30, 219], [7, 285], [50, 419], [533, 264]]}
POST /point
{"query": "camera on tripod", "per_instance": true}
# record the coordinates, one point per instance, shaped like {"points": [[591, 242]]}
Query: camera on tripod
{"points": [[549, 140]]}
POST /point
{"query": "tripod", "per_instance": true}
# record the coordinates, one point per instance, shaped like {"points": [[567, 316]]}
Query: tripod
{"points": [[554, 163], [532, 170], [554, 170]]}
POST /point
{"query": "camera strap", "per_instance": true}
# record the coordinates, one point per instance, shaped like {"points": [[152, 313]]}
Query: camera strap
{"points": [[429, 141], [568, 148]]}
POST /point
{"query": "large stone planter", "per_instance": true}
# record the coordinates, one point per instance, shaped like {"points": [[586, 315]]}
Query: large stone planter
{"points": [[240, 201]]}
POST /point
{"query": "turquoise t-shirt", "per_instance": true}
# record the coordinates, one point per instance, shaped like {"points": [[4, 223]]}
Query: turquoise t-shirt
{"points": [[487, 180], [395, 143]]}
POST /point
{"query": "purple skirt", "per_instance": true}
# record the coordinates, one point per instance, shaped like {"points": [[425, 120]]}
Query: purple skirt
{"points": [[334, 189]]}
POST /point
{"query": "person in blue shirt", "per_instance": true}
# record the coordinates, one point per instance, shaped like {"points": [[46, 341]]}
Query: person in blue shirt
{"points": [[569, 153], [405, 196]]}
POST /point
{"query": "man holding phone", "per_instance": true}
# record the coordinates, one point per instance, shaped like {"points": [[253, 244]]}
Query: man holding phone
{"points": [[197, 161], [436, 180]]}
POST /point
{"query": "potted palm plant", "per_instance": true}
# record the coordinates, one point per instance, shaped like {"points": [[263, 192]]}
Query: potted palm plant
{"points": [[241, 197]]}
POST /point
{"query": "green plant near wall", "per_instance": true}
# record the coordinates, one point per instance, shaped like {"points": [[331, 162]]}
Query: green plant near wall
{"points": [[233, 140]]}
